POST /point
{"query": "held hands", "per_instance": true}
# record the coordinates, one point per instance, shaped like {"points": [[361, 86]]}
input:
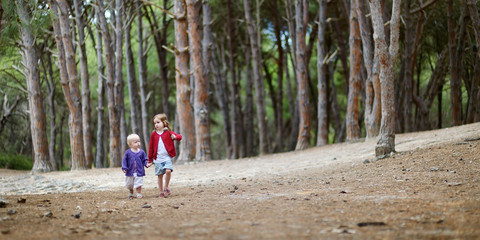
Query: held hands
{"points": [[173, 137], [124, 171], [149, 164]]}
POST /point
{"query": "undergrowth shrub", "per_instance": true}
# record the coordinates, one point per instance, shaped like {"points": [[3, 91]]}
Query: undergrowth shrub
{"points": [[16, 162]]}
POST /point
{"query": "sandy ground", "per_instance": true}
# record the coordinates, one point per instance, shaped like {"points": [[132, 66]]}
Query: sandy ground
{"points": [[428, 189]]}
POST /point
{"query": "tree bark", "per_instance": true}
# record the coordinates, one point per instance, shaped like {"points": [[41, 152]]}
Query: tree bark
{"points": [[280, 136], [38, 121], [69, 81], [48, 74], [142, 76], [473, 114], [86, 108], [184, 108], [301, 15], [113, 111], [135, 116], [234, 94], [455, 82], [258, 79], [100, 157], [322, 68], [373, 105], [353, 127], [119, 84], [201, 108], [292, 98], [387, 57]]}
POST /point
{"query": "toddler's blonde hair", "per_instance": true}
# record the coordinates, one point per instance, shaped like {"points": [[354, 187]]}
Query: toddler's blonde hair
{"points": [[132, 137]]}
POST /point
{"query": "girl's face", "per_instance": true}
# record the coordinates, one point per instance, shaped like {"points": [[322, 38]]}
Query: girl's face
{"points": [[158, 124]]}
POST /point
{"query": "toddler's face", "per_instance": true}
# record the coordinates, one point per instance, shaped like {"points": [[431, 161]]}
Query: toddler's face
{"points": [[135, 144], [158, 124]]}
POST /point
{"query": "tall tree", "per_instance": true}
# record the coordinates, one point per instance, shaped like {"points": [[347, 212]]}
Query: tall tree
{"points": [[373, 105], [113, 106], [455, 82], [322, 68], [119, 84], [301, 16], [69, 79], [353, 126], [234, 93], [387, 56], [201, 108], [38, 120], [474, 112], [132, 85], [184, 108], [100, 156], [258, 78], [86, 108], [142, 74]]}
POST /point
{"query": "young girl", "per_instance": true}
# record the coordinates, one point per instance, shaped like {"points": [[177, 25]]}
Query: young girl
{"points": [[133, 164], [161, 150]]}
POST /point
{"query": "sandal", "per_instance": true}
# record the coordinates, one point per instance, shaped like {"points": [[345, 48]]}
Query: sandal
{"points": [[139, 195], [130, 196], [161, 195], [167, 192]]}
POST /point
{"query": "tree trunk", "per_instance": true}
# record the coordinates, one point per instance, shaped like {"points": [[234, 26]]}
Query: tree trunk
{"points": [[258, 79], [201, 108], [119, 84], [100, 157], [184, 108], [292, 98], [249, 109], [373, 105], [38, 121], [301, 15], [280, 136], [160, 36], [69, 81], [353, 127], [86, 109], [455, 82], [132, 85], [234, 94], [409, 68], [473, 114], [221, 93], [142, 76], [322, 68], [48, 73], [387, 57], [113, 111]]}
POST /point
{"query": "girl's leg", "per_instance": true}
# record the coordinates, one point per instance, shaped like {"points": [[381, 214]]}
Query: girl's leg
{"points": [[168, 175], [160, 183]]}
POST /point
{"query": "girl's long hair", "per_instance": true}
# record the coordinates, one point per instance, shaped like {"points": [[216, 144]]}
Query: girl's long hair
{"points": [[163, 118]]}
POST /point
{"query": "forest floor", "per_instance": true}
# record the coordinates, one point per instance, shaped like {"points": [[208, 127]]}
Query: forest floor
{"points": [[428, 189]]}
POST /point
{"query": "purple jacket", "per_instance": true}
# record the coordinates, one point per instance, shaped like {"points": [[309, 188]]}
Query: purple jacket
{"points": [[128, 160]]}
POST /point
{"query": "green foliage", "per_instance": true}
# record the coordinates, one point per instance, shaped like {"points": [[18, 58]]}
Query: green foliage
{"points": [[16, 162]]}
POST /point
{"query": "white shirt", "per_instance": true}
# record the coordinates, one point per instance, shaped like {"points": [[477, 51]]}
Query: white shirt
{"points": [[162, 154]]}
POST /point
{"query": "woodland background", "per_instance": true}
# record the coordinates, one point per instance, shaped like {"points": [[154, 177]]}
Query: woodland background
{"points": [[235, 78]]}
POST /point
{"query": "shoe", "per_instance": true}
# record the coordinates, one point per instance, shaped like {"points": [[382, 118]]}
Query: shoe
{"points": [[139, 195], [167, 192], [130, 196], [161, 195]]}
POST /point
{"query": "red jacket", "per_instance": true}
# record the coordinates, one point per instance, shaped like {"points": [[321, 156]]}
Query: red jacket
{"points": [[167, 140]]}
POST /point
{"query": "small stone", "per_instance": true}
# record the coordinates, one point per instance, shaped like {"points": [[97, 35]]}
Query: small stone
{"points": [[5, 231], [176, 207], [147, 206], [76, 215], [48, 214], [366, 161], [3, 203], [434, 169], [21, 200], [12, 212]]}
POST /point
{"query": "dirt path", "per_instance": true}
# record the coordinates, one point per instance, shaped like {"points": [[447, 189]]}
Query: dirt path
{"points": [[428, 189]]}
